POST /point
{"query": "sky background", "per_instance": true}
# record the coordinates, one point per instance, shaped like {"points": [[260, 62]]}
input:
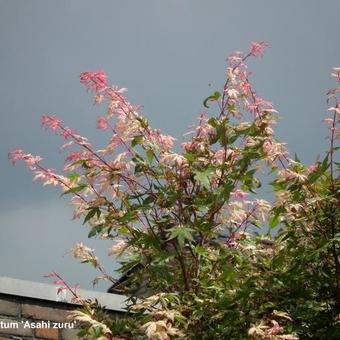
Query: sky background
{"points": [[166, 53]]}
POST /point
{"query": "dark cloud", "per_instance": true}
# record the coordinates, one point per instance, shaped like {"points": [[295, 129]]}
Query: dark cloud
{"points": [[166, 53]]}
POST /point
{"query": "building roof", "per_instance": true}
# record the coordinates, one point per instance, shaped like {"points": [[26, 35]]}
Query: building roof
{"points": [[43, 291]]}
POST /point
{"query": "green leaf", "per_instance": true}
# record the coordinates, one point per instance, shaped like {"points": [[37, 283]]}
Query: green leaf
{"points": [[200, 250], [296, 159], [95, 230], [203, 177], [82, 162], [137, 140], [213, 122], [143, 122], [232, 107], [274, 221], [149, 200], [189, 156], [319, 171], [91, 213], [278, 186], [325, 164], [75, 189], [149, 156], [213, 97], [123, 230], [182, 234], [274, 169], [139, 168], [73, 176], [228, 272]]}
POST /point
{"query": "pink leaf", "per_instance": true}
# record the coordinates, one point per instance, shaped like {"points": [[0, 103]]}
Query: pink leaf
{"points": [[59, 281]]}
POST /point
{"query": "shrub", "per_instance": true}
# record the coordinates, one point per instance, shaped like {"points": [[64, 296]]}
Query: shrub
{"points": [[213, 259]]}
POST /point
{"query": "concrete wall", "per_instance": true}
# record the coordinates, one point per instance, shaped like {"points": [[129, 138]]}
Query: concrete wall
{"points": [[30, 310]]}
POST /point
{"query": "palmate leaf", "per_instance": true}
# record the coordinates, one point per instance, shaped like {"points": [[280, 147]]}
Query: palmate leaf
{"points": [[182, 234], [73, 176], [203, 177]]}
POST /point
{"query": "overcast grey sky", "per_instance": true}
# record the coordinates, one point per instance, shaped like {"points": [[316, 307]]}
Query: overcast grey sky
{"points": [[167, 53]]}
